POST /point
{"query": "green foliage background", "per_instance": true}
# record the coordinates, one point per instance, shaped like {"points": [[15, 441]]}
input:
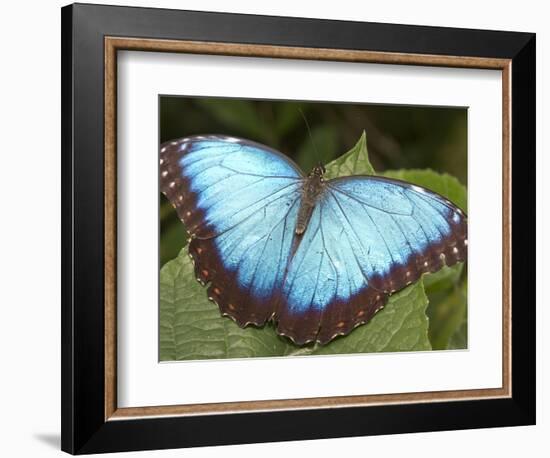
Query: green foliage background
{"points": [[424, 145]]}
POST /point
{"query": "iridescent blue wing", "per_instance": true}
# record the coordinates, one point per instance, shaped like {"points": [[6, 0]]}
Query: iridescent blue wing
{"points": [[367, 238], [239, 201]]}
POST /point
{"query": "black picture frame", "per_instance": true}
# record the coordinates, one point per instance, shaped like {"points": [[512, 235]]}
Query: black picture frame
{"points": [[84, 426]]}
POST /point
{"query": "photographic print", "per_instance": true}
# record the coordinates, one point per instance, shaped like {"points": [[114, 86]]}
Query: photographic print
{"points": [[293, 228], [331, 206]]}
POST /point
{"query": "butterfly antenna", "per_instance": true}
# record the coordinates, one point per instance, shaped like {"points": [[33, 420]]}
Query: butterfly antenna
{"points": [[310, 136]]}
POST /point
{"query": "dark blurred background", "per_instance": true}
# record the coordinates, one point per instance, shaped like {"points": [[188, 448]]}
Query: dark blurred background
{"points": [[398, 137]]}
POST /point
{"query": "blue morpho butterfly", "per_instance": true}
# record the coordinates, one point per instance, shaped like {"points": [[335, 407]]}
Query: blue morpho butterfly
{"points": [[317, 257]]}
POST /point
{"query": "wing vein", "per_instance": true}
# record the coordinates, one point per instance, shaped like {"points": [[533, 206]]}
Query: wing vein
{"points": [[359, 241], [394, 219], [363, 202], [261, 238], [253, 213], [415, 208], [257, 174], [301, 262], [325, 248]]}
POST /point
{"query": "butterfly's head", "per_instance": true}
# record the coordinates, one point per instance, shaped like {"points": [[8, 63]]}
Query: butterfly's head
{"points": [[319, 170]]}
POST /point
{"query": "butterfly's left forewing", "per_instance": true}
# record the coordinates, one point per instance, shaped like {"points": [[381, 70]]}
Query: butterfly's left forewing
{"points": [[239, 200]]}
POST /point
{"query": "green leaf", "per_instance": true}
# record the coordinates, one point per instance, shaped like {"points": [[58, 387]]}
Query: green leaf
{"points": [[448, 317], [459, 339], [443, 279], [442, 183], [354, 162], [191, 326]]}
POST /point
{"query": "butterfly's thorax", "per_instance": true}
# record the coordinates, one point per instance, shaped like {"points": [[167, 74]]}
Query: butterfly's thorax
{"points": [[313, 186]]}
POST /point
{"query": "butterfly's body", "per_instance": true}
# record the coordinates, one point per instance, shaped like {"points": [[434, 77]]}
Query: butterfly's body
{"points": [[317, 257], [312, 188]]}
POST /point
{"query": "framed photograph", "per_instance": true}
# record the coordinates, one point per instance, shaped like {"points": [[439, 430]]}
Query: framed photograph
{"points": [[280, 228]]}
